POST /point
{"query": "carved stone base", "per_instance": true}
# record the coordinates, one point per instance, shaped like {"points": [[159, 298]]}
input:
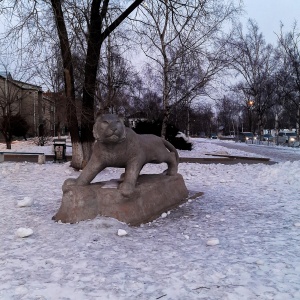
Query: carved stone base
{"points": [[154, 194]]}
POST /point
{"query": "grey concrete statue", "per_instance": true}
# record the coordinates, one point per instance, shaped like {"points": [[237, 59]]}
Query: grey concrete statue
{"points": [[119, 146]]}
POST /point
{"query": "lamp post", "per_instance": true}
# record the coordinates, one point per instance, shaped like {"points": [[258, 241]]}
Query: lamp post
{"points": [[241, 122], [250, 105]]}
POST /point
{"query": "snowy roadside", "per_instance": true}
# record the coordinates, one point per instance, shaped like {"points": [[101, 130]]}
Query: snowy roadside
{"points": [[201, 147]]}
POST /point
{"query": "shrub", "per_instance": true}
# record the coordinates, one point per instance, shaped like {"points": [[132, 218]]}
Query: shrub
{"points": [[19, 126], [173, 135]]}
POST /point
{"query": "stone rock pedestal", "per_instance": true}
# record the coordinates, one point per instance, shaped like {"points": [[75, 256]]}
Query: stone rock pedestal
{"points": [[154, 194]]}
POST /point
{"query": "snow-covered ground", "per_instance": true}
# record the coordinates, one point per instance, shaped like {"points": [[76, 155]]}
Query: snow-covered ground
{"points": [[253, 211]]}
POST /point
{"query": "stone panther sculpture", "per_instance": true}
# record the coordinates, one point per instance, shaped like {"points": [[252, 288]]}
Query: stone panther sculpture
{"points": [[119, 146]]}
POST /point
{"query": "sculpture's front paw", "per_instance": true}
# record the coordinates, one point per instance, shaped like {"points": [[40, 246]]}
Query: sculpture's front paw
{"points": [[68, 182], [126, 189]]}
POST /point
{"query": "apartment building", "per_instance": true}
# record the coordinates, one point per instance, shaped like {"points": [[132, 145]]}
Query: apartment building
{"points": [[28, 100]]}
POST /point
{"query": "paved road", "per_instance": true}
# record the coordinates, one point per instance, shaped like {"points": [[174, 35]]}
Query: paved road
{"points": [[275, 153]]}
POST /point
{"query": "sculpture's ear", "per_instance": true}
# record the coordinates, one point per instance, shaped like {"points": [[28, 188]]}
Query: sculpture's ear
{"points": [[101, 111], [121, 117]]}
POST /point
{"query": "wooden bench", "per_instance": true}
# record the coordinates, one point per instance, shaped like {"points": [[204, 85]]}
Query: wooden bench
{"points": [[239, 157], [23, 156]]}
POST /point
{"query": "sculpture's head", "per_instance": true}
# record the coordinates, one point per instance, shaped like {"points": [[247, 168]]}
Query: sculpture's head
{"points": [[109, 129]]}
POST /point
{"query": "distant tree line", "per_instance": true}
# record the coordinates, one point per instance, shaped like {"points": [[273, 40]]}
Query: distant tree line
{"points": [[266, 94]]}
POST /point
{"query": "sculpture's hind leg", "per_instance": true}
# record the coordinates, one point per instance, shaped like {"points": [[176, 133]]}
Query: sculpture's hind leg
{"points": [[172, 165]]}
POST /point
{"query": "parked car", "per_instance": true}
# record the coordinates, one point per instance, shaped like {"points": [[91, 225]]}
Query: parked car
{"points": [[286, 137], [202, 135], [213, 136], [246, 137], [268, 137]]}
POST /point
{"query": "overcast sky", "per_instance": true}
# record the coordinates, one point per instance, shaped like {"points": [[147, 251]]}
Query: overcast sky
{"points": [[269, 13]]}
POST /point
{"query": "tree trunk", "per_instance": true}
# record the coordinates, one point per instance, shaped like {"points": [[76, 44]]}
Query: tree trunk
{"points": [[298, 121], [165, 122], [8, 139], [166, 94], [91, 67], [96, 37], [260, 124], [77, 157], [82, 145], [69, 84], [8, 144]]}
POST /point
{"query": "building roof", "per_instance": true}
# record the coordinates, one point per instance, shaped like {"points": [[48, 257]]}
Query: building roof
{"points": [[5, 74], [20, 84], [27, 86]]}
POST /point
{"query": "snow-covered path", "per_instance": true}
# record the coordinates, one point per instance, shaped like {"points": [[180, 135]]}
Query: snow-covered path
{"points": [[276, 153], [253, 210]]}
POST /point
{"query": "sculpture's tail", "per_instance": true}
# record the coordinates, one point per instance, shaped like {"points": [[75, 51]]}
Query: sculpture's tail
{"points": [[171, 148]]}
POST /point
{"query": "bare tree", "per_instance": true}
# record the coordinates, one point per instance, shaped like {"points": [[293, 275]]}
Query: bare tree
{"points": [[181, 42], [82, 27], [254, 63], [203, 119], [228, 115], [116, 79], [289, 59], [89, 22]]}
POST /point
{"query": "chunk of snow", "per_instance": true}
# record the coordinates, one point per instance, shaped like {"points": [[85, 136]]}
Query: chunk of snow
{"points": [[222, 152], [21, 290], [27, 201], [24, 232], [182, 135], [213, 242], [297, 224], [259, 262], [164, 215], [122, 232]]}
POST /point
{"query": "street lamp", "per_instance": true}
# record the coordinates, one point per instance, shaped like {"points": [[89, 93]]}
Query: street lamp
{"points": [[250, 105]]}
